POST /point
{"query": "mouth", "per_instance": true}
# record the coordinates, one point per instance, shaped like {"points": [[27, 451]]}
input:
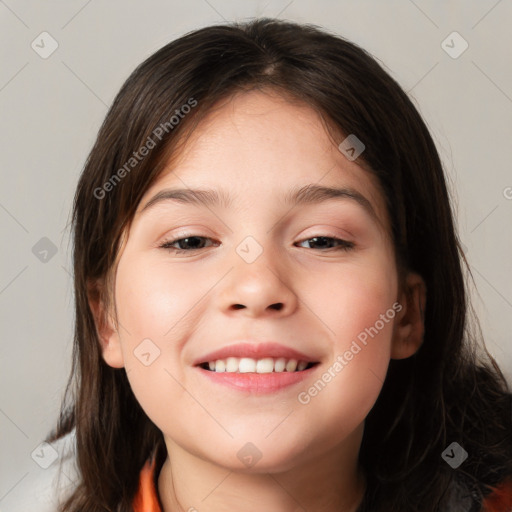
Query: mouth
{"points": [[257, 366], [258, 377], [258, 383]]}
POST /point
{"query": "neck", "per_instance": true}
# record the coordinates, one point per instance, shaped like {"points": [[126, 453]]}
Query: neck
{"points": [[327, 482]]}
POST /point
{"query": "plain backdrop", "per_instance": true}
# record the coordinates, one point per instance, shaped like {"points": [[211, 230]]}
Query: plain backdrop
{"points": [[52, 108]]}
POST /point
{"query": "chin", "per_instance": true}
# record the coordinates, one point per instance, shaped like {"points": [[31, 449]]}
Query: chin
{"points": [[264, 456]]}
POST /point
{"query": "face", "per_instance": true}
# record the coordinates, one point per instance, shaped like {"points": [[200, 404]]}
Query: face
{"points": [[261, 265]]}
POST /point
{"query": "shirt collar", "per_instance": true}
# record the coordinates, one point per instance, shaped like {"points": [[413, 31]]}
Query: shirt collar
{"points": [[146, 499]]}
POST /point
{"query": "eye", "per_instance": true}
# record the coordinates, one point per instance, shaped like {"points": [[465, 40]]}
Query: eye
{"points": [[192, 242], [195, 243], [343, 245]]}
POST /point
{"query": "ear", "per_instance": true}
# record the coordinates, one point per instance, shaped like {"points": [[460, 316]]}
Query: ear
{"points": [[409, 325], [105, 327]]}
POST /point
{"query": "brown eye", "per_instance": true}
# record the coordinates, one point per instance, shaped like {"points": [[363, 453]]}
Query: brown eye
{"points": [[343, 245], [186, 244]]}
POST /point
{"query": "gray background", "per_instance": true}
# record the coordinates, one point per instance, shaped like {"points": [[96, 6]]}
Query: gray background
{"points": [[53, 107]]}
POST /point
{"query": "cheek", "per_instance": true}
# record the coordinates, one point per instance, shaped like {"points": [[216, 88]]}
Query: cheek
{"points": [[360, 316], [151, 302], [153, 309], [358, 309], [350, 298]]}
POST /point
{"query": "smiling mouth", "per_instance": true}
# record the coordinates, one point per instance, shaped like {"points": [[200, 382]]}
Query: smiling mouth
{"points": [[266, 365]]}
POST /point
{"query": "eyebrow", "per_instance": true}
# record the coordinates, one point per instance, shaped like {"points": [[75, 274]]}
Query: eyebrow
{"points": [[308, 194]]}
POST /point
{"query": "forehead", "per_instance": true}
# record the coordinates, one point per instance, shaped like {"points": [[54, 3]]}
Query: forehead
{"points": [[261, 145]]}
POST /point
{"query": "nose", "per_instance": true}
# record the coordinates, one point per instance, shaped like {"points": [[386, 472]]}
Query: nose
{"points": [[262, 287]]}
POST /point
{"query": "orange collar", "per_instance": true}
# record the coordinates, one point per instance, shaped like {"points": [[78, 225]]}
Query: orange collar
{"points": [[501, 498], [146, 499]]}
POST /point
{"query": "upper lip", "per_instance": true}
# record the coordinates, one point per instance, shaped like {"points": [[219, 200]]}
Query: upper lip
{"points": [[259, 350]]}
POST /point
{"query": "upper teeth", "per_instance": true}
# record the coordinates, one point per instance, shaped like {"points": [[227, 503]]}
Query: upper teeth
{"points": [[247, 365]]}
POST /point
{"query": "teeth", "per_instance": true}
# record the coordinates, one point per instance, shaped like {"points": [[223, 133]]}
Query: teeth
{"points": [[220, 366], [249, 365], [291, 365], [232, 364], [262, 365], [280, 364], [301, 366]]}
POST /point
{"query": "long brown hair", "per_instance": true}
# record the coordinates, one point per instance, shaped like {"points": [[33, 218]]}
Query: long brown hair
{"points": [[447, 392]]}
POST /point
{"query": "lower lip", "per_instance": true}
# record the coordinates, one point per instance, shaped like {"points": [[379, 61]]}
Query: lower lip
{"points": [[258, 383]]}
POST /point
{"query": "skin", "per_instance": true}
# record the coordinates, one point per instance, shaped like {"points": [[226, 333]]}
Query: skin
{"points": [[257, 146]]}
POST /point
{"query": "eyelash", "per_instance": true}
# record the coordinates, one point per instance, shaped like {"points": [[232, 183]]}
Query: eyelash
{"points": [[344, 245]]}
